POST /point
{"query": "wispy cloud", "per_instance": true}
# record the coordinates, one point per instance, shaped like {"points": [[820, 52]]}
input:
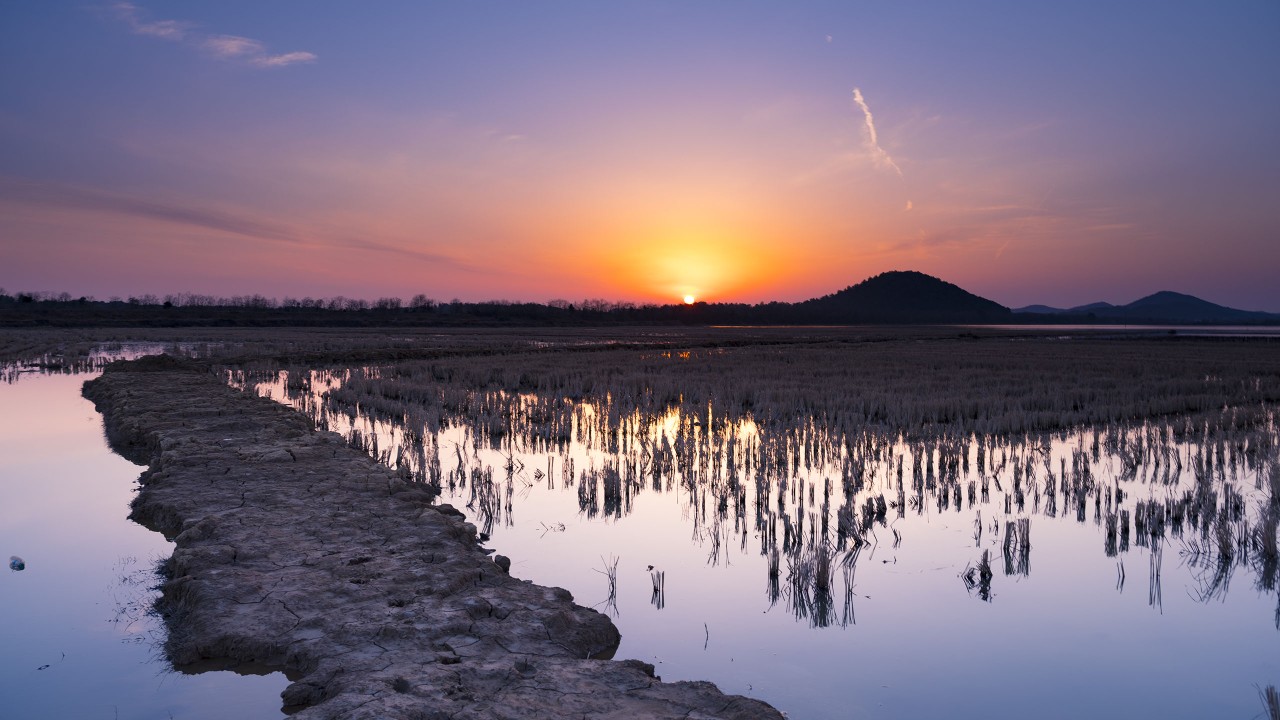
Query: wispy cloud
{"points": [[878, 153], [66, 198], [300, 56], [233, 46], [175, 30], [70, 197], [223, 47]]}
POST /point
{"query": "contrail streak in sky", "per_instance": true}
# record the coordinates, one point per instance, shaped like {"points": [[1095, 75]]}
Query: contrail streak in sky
{"points": [[877, 153]]}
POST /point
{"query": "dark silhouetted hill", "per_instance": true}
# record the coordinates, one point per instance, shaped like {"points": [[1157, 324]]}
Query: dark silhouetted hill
{"points": [[899, 297], [903, 297], [1090, 308], [1077, 310], [1172, 307], [1162, 308]]}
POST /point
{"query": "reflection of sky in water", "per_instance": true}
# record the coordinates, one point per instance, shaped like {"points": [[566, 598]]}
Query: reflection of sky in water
{"points": [[80, 605], [1062, 641]]}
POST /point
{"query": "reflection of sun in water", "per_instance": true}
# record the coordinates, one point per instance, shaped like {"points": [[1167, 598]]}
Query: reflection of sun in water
{"points": [[689, 299]]}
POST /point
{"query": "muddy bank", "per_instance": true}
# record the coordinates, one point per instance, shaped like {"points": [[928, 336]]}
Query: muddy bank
{"points": [[297, 552]]}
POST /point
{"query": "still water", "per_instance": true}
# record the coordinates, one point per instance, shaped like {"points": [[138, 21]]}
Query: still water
{"points": [[77, 639], [1078, 575], [1091, 618]]}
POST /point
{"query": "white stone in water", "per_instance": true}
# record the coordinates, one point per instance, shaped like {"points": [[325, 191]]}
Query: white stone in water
{"points": [[16, 563]]}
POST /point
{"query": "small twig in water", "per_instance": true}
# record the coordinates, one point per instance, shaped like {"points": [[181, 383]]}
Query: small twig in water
{"points": [[1270, 702], [659, 579], [611, 573]]}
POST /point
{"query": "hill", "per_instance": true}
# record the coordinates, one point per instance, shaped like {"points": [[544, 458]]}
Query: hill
{"points": [[1095, 307], [903, 297], [1172, 307], [1038, 310], [1162, 308], [898, 297]]}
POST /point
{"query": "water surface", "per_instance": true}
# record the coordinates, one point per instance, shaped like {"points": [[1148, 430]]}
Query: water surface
{"points": [[1107, 593], [79, 640]]}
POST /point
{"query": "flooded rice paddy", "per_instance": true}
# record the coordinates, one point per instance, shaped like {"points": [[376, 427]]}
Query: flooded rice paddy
{"points": [[840, 567], [846, 533]]}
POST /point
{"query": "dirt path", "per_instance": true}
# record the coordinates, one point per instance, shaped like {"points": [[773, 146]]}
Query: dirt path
{"points": [[299, 552]]}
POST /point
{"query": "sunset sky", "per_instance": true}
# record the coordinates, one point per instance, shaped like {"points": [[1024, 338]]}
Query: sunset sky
{"points": [[735, 151]]}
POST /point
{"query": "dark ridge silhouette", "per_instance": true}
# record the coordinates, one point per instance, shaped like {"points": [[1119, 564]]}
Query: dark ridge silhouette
{"points": [[904, 297], [1166, 307], [899, 297], [1038, 310], [1162, 308], [1091, 308], [1077, 310]]}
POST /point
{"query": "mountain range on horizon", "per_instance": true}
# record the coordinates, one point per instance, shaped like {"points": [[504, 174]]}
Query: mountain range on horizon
{"points": [[1164, 307], [909, 296], [904, 297]]}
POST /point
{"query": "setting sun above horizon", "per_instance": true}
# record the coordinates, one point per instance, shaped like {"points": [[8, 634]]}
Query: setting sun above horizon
{"points": [[639, 151], [689, 299]]}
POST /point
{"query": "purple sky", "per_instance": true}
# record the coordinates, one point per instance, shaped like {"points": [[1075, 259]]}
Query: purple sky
{"points": [[736, 151]]}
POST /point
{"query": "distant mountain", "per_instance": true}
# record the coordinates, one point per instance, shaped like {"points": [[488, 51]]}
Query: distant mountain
{"points": [[1090, 308], [899, 297], [1077, 310], [1162, 308], [1172, 307], [903, 297], [1039, 310]]}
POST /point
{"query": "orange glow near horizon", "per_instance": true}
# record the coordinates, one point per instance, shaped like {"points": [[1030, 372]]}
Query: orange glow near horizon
{"points": [[647, 245], [734, 154], [689, 269]]}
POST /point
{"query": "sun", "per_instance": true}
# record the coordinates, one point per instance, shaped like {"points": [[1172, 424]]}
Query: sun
{"points": [[689, 299]]}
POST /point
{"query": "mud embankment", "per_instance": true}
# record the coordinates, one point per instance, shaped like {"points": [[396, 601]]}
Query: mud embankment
{"points": [[298, 552]]}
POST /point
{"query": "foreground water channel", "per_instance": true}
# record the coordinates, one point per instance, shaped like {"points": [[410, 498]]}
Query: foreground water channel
{"points": [[1101, 572], [79, 639]]}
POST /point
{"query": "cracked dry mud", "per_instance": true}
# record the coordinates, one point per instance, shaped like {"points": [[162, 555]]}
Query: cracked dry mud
{"points": [[296, 551]]}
